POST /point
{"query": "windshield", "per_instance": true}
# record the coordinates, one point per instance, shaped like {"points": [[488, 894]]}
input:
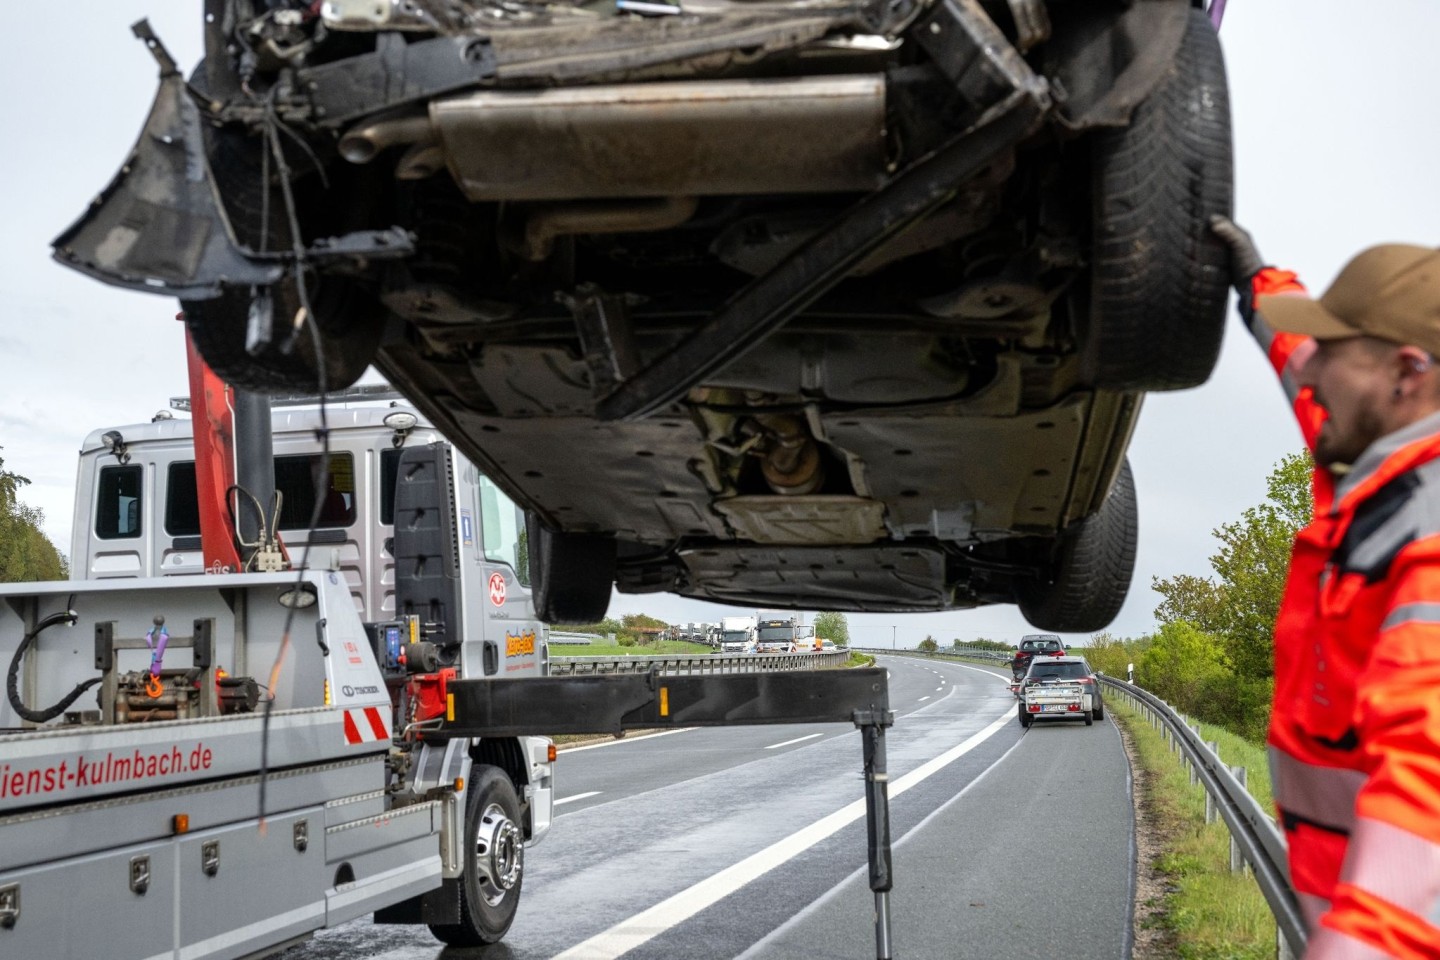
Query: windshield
{"points": [[736, 636], [776, 632]]}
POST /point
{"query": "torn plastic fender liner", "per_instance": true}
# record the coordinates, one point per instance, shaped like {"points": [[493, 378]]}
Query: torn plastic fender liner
{"points": [[159, 226]]}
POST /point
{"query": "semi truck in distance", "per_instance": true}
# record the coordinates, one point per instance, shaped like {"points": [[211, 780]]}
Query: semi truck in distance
{"points": [[737, 634]]}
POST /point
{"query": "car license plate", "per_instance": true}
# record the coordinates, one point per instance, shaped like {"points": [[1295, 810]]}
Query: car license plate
{"points": [[1055, 708]]}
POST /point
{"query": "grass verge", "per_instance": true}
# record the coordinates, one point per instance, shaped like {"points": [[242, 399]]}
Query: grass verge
{"points": [[1205, 912]]}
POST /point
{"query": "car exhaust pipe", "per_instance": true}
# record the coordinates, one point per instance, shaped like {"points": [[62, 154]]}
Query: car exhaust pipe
{"points": [[670, 139]]}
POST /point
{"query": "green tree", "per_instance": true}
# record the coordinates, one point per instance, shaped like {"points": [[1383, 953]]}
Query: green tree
{"points": [[833, 627], [1253, 562], [928, 645], [1195, 600], [26, 554]]}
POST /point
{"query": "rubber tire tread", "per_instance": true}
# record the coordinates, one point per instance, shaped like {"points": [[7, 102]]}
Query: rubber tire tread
{"points": [[1159, 278], [480, 923], [349, 314], [571, 574], [1092, 571]]}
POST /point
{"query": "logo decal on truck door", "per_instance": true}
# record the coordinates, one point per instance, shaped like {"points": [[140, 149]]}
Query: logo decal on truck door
{"points": [[497, 589]]}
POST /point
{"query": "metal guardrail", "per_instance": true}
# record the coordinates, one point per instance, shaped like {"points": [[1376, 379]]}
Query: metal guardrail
{"points": [[572, 639], [700, 663], [1253, 832]]}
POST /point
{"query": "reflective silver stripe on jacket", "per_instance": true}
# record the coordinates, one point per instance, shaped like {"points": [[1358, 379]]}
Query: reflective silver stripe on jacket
{"points": [[1395, 865], [1329, 944], [1311, 908], [1323, 795], [1412, 613]]}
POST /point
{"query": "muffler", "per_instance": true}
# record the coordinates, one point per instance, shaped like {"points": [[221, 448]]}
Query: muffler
{"points": [[702, 138]]}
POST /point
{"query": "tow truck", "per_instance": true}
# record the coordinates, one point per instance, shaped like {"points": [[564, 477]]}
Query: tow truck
{"points": [[268, 754]]}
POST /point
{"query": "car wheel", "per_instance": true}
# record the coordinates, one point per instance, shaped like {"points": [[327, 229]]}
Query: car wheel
{"points": [[1025, 718], [570, 573], [1099, 713], [1159, 278], [347, 312], [1091, 570], [494, 862]]}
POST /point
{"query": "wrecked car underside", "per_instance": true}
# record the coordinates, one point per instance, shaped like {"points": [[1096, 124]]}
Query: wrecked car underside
{"points": [[848, 305]]}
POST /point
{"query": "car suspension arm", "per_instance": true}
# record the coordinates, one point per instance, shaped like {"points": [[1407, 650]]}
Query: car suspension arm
{"points": [[547, 706], [825, 259]]}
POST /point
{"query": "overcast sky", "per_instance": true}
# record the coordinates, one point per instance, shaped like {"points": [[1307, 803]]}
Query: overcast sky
{"points": [[1336, 147]]}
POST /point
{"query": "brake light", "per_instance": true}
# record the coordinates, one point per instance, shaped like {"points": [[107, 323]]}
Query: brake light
{"points": [[1033, 708], [1074, 707]]}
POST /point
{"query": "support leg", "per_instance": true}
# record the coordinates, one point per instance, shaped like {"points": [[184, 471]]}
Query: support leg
{"points": [[877, 823]]}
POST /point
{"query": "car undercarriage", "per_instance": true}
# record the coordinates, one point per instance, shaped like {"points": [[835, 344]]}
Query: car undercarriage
{"points": [[836, 305]]}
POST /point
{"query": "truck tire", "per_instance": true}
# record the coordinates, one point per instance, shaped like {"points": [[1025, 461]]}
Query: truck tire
{"points": [[1159, 277], [1091, 570], [570, 573], [495, 859]]}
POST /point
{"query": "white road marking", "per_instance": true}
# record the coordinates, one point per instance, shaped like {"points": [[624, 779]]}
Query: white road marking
{"points": [[941, 687], [776, 746], [923, 699], [578, 796], [669, 913], [616, 743]]}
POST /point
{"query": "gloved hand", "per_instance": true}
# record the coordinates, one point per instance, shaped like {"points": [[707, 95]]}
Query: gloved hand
{"points": [[1245, 259]]}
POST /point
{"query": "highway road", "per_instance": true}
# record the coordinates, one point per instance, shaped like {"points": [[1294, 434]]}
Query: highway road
{"points": [[749, 842]]}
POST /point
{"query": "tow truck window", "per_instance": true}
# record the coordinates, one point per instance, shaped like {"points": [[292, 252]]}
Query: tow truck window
{"points": [[182, 509], [295, 479], [389, 470], [117, 507], [502, 530]]}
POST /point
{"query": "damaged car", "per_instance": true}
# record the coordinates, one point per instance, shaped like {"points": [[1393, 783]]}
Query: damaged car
{"points": [[835, 304]]}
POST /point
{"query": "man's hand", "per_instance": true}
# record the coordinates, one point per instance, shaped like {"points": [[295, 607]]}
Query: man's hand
{"points": [[1245, 260]]}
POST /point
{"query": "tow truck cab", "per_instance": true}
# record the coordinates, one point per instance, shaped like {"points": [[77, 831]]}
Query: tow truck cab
{"points": [[137, 516]]}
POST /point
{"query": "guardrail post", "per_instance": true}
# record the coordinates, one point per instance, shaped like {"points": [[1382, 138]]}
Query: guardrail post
{"points": [[1282, 947], [1210, 812], [1237, 862]]}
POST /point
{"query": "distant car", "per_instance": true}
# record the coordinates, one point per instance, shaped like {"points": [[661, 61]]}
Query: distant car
{"points": [[1044, 644], [1063, 669], [802, 303]]}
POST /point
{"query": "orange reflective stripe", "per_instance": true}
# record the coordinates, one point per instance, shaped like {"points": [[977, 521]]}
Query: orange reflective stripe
{"points": [[1322, 795], [1328, 944], [1395, 865]]}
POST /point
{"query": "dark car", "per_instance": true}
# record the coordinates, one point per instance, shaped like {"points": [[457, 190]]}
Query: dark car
{"points": [[1061, 668], [812, 304], [1043, 644]]}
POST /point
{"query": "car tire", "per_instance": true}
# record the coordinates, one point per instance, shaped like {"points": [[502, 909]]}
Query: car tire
{"points": [[1099, 713], [494, 861], [1091, 570], [1025, 718], [347, 312], [570, 573], [1159, 277]]}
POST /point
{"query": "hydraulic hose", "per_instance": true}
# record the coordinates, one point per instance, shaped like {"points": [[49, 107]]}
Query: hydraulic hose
{"points": [[12, 679]]}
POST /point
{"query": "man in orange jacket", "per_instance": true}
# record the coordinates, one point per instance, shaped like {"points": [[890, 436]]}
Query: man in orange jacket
{"points": [[1355, 729]]}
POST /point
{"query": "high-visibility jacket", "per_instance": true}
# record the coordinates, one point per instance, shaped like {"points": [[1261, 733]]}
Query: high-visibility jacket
{"points": [[1354, 737]]}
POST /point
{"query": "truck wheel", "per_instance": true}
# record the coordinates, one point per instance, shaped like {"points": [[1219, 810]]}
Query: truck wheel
{"points": [[1091, 570], [570, 573], [1159, 280], [495, 850]]}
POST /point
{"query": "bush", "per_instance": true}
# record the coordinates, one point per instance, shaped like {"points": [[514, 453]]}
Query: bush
{"points": [[625, 640]]}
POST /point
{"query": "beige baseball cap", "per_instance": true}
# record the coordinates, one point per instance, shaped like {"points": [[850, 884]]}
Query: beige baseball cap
{"points": [[1390, 291]]}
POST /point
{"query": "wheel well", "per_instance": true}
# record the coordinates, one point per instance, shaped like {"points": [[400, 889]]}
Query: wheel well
{"points": [[506, 754]]}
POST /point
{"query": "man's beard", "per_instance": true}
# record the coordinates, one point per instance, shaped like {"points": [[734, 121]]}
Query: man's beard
{"points": [[1332, 450]]}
